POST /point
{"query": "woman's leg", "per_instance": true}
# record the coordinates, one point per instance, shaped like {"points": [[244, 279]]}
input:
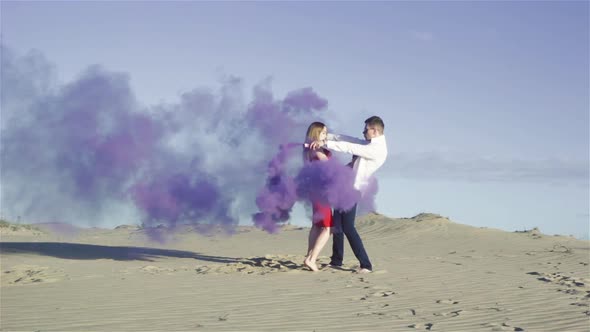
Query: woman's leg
{"points": [[322, 215], [311, 240], [320, 242]]}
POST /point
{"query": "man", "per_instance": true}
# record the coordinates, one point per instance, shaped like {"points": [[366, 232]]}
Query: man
{"points": [[368, 156]]}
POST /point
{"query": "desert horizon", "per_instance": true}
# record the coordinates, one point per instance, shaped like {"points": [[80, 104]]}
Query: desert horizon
{"points": [[203, 228]]}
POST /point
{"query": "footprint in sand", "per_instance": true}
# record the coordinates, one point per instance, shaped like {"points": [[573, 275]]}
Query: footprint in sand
{"points": [[151, 269], [448, 301], [405, 313], [364, 280], [379, 293], [448, 314], [202, 269], [255, 265], [31, 274], [516, 328], [383, 293], [561, 279], [507, 327], [373, 313], [427, 326], [496, 309]]}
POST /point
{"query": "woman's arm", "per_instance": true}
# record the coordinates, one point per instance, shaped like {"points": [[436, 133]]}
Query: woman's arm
{"points": [[321, 155]]}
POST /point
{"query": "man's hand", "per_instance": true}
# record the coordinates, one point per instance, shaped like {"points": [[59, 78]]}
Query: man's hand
{"points": [[316, 145]]}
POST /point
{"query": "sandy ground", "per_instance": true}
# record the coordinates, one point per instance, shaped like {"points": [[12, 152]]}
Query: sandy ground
{"points": [[430, 274]]}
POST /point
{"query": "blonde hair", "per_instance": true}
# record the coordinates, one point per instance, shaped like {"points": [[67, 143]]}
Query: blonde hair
{"points": [[313, 134], [313, 131]]}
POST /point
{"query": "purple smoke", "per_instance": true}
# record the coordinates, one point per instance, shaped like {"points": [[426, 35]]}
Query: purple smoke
{"points": [[176, 199], [305, 99], [366, 203], [328, 182], [276, 199], [68, 151], [89, 153], [100, 138]]}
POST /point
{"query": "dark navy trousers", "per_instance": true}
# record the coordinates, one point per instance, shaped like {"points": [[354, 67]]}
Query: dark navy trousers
{"points": [[345, 220]]}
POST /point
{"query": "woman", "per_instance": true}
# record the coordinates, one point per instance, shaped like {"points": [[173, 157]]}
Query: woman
{"points": [[322, 213]]}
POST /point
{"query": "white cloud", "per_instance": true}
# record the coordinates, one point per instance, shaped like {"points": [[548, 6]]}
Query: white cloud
{"points": [[436, 165]]}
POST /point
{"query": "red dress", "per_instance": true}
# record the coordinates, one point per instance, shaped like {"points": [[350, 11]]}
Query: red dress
{"points": [[322, 213]]}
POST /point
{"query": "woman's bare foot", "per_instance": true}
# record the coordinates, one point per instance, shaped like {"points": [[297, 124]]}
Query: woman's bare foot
{"points": [[311, 265]]}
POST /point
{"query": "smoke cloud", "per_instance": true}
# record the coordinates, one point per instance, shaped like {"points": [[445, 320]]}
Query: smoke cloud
{"points": [[88, 153]]}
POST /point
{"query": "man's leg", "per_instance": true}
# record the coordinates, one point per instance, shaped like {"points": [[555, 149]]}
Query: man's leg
{"points": [[337, 240], [355, 239]]}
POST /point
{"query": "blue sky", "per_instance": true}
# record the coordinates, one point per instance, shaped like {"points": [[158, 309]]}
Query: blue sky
{"points": [[486, 104]]}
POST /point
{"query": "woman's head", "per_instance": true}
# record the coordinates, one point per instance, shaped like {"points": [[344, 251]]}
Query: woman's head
{"points": [[316, 131]]}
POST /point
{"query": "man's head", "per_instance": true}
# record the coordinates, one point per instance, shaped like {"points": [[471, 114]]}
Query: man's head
{"points": [[373, 127]]}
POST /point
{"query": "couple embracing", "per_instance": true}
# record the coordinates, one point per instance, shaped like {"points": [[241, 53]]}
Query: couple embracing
{"points": [[369, 154]]}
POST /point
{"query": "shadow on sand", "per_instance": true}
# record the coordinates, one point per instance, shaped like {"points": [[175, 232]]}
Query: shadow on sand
{"points": [[92, 251]]}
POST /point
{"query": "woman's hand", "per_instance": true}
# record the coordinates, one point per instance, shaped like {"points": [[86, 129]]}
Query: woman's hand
{"points": [[317, 145]]}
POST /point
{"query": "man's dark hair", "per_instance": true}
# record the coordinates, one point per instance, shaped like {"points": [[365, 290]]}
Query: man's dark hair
{"points": [[375, 121]]}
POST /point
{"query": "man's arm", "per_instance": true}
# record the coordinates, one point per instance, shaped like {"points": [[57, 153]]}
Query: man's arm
{"points": [[344, 138], [361, 150]]}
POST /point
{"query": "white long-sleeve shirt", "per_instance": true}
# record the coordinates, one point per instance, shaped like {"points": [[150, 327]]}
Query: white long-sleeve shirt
{"points": [[372, 155]]}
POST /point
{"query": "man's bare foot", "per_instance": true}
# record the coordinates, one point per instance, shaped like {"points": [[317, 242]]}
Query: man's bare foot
{"points": [[363, 271], [311, 265]]}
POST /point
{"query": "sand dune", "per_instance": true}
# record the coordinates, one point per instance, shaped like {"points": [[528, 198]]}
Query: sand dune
{"points": [[430, 274]]}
